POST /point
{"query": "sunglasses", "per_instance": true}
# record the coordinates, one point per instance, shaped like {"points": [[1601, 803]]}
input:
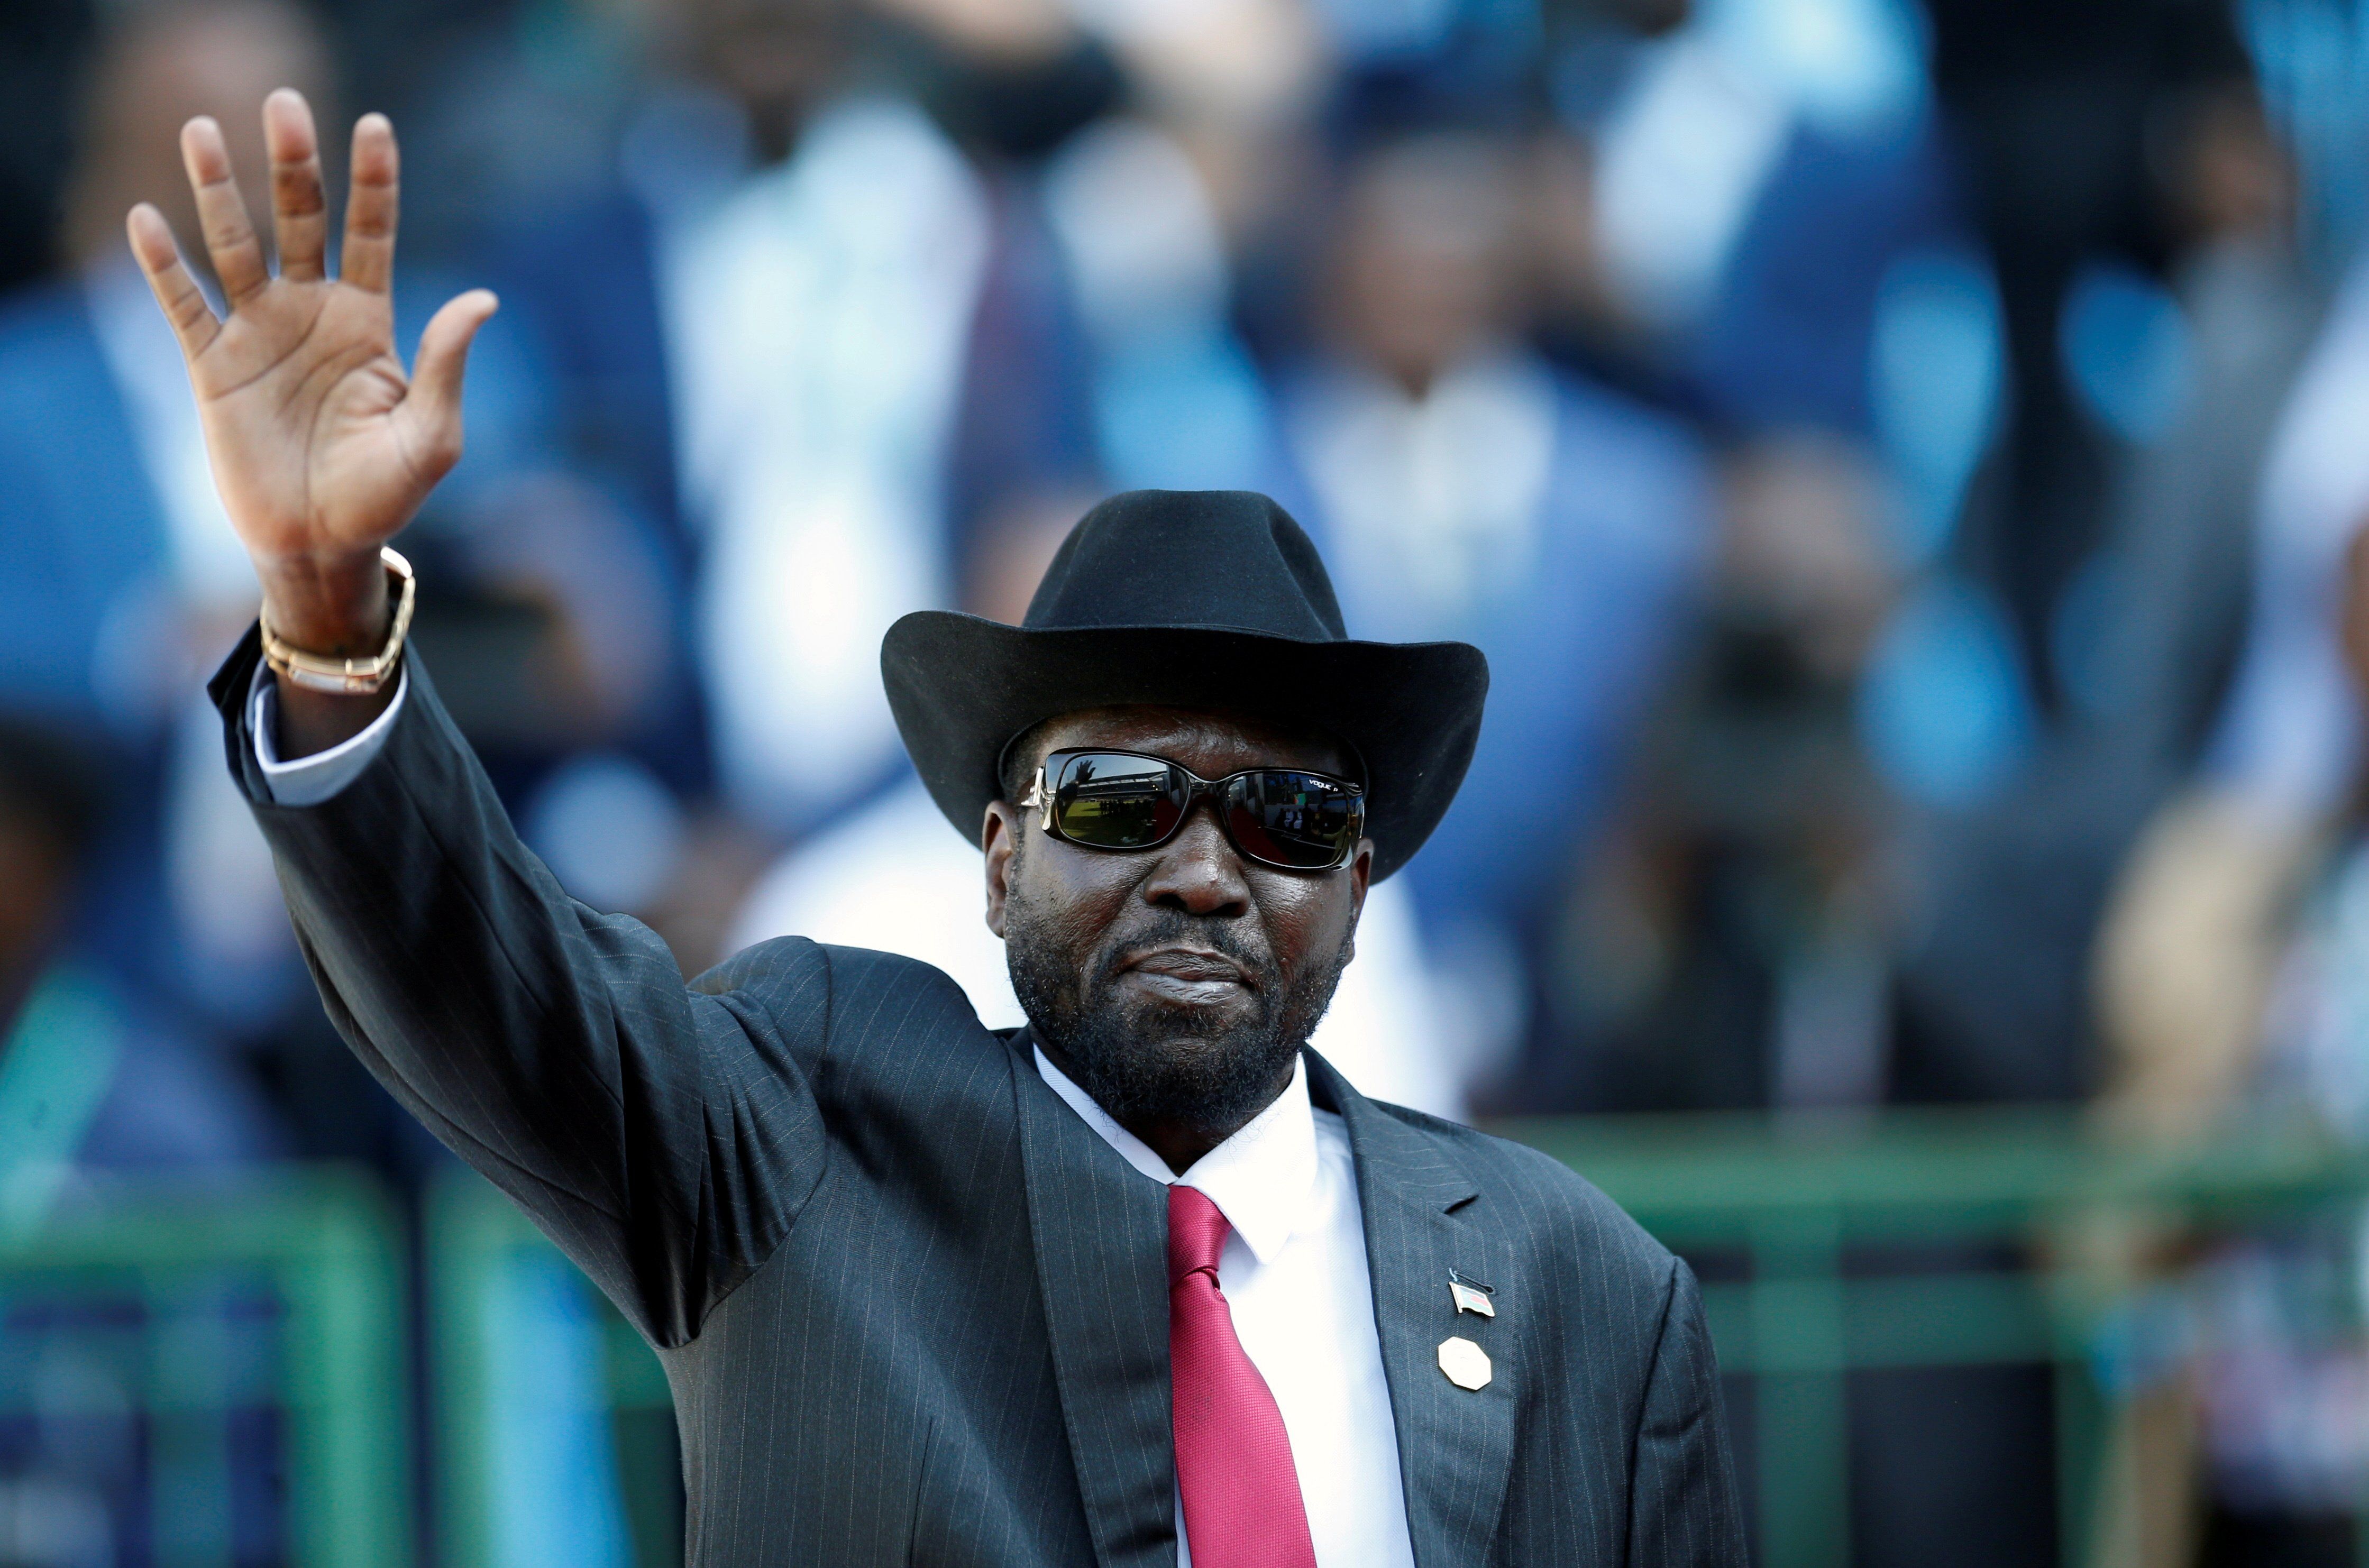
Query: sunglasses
{"points": [[1286, 817]]}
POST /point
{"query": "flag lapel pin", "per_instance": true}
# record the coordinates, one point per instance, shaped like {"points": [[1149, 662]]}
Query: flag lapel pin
{"points": [[1471, 1296]]}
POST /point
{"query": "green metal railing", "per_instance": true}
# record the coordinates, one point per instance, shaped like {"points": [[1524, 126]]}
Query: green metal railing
{"points": [[480, 1245], [1795, 1208], [1800, 1204], [1791, 1219], [285, 1293]]}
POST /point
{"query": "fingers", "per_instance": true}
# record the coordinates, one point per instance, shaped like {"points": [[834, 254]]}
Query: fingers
{"points": [[152, 246], [229, 234], [431, 411], [369, 260], [300, 220]]}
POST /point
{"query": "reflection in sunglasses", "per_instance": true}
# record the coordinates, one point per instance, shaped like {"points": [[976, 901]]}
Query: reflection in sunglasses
{"points": [[1282, 817]]}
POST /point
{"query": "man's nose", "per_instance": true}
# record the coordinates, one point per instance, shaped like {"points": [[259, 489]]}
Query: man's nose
{"points": [[1199, 870]]}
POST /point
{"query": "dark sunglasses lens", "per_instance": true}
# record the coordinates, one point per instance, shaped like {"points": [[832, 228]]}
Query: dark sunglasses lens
{"points": [[1112, 801], [1305, 821]]}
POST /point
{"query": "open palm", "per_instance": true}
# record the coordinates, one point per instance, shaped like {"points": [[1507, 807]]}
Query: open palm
{"points": [[322, 447]]}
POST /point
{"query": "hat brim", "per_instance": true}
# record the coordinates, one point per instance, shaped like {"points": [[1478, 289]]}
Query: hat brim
{"points": [[962, 686]]}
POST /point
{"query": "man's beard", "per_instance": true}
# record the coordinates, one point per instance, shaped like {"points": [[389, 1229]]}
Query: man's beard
{"points": [[1156, 1063]]}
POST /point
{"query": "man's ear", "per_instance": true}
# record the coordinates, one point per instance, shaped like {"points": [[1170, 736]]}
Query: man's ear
{"points": [[1000, 837], [1361, 880]]}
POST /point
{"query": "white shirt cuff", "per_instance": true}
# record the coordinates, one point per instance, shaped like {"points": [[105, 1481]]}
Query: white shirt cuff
{"points": [[308, 781]]}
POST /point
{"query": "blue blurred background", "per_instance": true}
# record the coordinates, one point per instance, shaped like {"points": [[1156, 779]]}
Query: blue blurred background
{"points": [[1903, 462]]}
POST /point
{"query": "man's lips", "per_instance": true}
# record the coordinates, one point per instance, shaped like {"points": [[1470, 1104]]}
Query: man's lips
{"points": [[1193, 975], [1187, 964]]}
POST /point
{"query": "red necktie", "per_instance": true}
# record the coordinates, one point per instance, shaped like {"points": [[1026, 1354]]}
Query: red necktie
{"points": [[1234, 1457]]}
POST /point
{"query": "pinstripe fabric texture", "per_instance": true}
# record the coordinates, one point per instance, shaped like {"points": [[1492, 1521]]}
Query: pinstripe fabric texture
{"points": [[912, 1308]]}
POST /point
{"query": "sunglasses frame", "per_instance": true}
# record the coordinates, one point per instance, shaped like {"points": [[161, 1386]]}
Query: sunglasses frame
{"points": [[1041, 800]]}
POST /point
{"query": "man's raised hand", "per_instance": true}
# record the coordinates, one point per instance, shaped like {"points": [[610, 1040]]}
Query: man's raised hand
{"points": [[322, 447]]}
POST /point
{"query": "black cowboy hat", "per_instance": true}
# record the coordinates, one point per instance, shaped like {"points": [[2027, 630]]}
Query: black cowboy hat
{"points": [[1190, 599]]}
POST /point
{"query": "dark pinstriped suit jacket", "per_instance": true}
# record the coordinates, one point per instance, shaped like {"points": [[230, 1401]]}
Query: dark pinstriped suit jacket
{"points": [[912, 1308]]}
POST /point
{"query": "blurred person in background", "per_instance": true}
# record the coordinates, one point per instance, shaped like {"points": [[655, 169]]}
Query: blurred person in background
{"points": [[1465, 489], [1734, 946], [1174, 220], [1731, 946], [2221, 989], [114, 587], [802, 335], [2229, 993], [1745, 212], [888, 876], [2154, 677], [2283, 752]]}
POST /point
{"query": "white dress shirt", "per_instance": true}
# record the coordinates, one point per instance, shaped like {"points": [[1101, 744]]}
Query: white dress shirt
{"points": [[1294, 1276], [1293, 1271], [308, 781]]}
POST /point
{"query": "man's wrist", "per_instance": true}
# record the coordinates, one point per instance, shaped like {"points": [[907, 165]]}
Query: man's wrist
{"points": [[335, 605]]}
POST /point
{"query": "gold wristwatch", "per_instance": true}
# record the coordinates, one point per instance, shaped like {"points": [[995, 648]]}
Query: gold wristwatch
{"points": [[349, 677]]}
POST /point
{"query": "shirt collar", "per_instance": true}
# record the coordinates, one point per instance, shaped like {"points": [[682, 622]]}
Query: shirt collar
{"points": [[1261, 1179]]}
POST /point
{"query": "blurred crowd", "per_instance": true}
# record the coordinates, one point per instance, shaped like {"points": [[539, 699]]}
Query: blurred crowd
{"points": [[1906, 465]]}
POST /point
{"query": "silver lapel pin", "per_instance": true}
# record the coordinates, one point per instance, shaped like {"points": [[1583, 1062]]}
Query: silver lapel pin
{"points": [[1466, 1364]]}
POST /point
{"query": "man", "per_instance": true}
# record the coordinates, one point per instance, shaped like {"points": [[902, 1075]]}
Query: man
{"points": [[1142, 1282]]}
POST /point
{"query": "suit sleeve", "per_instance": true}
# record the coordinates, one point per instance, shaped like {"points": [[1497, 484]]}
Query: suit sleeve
{"points": [[663, 1137], [1682, 1510]]}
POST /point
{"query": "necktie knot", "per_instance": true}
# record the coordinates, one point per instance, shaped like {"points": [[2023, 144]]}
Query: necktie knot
{"points": [[1196, 1232]]}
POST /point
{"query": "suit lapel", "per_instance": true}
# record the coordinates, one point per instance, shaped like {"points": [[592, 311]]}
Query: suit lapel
{"points": [[1455, 1444], [1100, 1235]]}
